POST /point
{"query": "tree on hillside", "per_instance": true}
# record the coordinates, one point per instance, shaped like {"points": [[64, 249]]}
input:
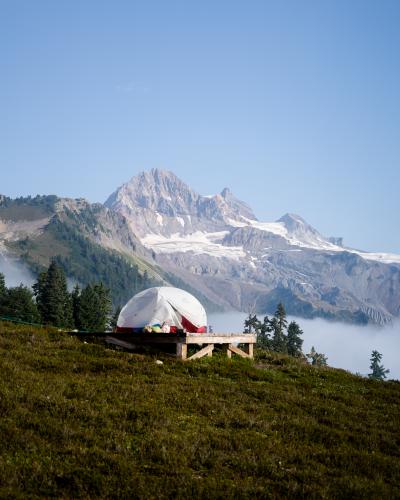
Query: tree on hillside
{"points": [[3, 288], [52, 297], [280, 315], [317, 359], [271, 333], [75, 298], [114, 318], [18, 303], [294, 342], [278, 325], [378, 370], [251, 324], [92, 307], [264, 334]]}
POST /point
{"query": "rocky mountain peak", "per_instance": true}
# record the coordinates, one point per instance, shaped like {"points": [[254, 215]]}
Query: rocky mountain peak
{"points": [[240, 208], [296, 224], [157, 190], [161, 191]]}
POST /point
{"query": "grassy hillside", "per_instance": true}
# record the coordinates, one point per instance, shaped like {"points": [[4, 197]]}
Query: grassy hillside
{"points": [[82, 421]]}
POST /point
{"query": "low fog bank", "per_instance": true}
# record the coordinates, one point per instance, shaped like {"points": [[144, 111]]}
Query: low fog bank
{"points": [[14, 272], [347, 346]]}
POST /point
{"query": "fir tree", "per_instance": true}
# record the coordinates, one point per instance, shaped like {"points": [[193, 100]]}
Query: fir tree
{"points": [[294, 342], [264, 337], [278, 325], [93, 307], [18, 303], [378, 371], [251, 324], [52, 297], [3, 288], [280, 315], [317, 359], [75, 299], [114, 318], [39, 290], [104, 306]]}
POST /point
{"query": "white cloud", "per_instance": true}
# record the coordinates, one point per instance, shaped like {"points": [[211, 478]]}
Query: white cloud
{"points": [[346, 346]]}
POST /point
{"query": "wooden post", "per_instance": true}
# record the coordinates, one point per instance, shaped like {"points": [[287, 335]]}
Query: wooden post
{"points": [[250, 350], [181, 350]]}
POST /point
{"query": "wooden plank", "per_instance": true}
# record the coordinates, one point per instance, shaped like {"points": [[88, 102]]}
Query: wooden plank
{"points": [[181, 350], [205, 338], [150, 338], [238, 351], [206, 351]]}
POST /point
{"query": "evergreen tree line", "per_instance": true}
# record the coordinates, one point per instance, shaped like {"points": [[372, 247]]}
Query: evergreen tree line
{"points": [[51, 303], [274, 334], [18, 302]]}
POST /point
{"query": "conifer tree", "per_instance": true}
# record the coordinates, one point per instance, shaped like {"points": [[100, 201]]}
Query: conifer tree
{"points": [[3, 288], [317, 359], [38, 290], [75, 299], [52, 297], [278, 325], [104, 306], [280, 315], [294, 342], [18, 303], [114, 318], [251, 324], [92, 308], [378, 371]]}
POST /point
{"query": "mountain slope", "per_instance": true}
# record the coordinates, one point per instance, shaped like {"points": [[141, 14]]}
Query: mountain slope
{"points": [[90, 242], [217, 244], [83, 421]]}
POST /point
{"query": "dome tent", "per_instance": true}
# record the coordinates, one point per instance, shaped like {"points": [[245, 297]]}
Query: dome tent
{"points": [[163, 305]]}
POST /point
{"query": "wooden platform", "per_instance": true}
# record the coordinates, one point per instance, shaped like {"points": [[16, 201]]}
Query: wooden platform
{"points": [[205, 342]]}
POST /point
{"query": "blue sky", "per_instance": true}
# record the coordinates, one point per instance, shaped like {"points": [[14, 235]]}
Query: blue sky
{"points": [[294, 105]]}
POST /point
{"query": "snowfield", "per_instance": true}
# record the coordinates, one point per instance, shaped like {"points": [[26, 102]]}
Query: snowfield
{"points": [[198, 242]]}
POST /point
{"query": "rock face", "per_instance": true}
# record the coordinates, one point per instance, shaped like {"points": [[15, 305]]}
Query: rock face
{"points": [[216, 244], [158, 202]]}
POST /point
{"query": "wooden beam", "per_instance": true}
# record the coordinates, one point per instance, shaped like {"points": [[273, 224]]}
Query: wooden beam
{"points": [[206, 351], [206, 338], [181, 350], [238, 351]]}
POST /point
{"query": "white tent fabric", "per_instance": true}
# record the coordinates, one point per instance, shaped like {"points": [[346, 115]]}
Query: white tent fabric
{"points": [[159, 305]]}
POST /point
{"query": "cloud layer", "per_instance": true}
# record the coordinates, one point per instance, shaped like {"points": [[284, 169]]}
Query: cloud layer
{"points": [[347, 346]]}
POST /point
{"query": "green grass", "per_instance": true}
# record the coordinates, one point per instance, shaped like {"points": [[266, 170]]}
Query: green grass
{"points": [[78, 420]]}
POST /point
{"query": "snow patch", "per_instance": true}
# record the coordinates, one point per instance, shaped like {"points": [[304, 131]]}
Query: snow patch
{"points": [[198, 242], [385, 258]]}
